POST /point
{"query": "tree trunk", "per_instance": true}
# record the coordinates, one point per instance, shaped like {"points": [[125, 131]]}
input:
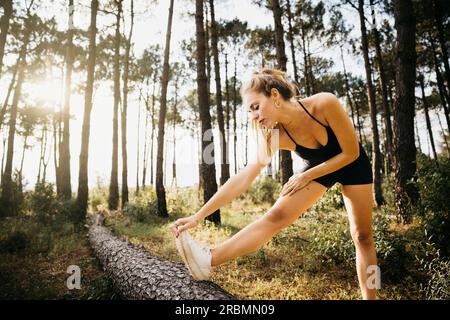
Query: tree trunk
{"points": [[144, 160], [4, 27], [384, 92], [442, 39], [305, 64], [373, 109], [225, 166], [442, 91], [8, 94], [208, 170], [138, 142], [286, 159], [152, 135], [160, 191], [347, 89], [21, 162], [7, 203], [234, 115], [444, 134], [427, 116], [417, 133], [291, 41], [65, 190], [124, 113], [404, 147], [140, 276], [113, 197], [227, 109], [83, 189]]}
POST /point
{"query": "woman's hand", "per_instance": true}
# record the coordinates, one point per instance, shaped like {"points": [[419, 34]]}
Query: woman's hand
{"points": [[296, 182], [183, 224]]}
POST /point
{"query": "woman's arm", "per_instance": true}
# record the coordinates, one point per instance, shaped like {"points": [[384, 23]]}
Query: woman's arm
{"points": [[230, 190]]}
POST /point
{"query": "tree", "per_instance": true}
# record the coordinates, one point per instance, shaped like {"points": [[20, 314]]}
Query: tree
{"points": [[124, 109], [160, 191], [113, 198], [208, 171], [404, 147], [376, 165], [4, 26], [7, 204], [286, 159], [427, 115], [225, 166], [383, 84], [64, 151], [83, 189]]}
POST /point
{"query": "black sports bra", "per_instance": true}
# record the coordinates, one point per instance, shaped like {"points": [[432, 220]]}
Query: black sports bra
{"points": [[322, 153]]}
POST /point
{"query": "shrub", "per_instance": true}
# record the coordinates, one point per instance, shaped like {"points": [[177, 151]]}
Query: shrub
{"points": [[141, 211], [331, 200], [437, 270], [264, 189], [15, 242], [433, 183], [43, 202]]}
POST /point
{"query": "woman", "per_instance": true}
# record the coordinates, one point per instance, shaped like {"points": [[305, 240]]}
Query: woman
{"points": [[318, 129]]}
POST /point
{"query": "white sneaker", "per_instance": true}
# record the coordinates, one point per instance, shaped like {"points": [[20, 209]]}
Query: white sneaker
{"points": [[196, 256]]}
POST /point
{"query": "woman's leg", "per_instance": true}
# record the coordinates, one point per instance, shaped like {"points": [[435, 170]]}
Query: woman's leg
{"points": [[283, 213], [358, 201]]}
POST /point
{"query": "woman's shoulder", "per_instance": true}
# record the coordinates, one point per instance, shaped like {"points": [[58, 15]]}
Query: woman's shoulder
{"points": [[322, 99]]}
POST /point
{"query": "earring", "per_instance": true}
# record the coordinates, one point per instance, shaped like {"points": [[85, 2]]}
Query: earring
{"points": [[277, 104]]}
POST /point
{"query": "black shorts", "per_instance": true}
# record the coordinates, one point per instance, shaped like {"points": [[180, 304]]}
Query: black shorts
{"points": [[357, 172]]}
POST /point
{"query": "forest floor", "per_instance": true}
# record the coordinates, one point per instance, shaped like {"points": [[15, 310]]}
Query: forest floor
{"points": [[311, 259], [34, 258]]}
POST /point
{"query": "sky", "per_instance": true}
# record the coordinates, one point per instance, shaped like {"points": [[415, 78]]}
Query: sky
{"points": [[150, 29]]}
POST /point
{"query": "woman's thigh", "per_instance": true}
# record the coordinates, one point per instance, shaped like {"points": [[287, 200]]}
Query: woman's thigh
{"points": [[358, 201], [289, 207]]}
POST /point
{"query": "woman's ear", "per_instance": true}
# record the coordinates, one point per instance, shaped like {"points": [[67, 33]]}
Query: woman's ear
{"points": [[274, 93]]}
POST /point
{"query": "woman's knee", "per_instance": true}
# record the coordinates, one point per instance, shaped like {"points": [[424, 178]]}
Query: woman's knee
{"points": [[362, 238], [278, 217]]}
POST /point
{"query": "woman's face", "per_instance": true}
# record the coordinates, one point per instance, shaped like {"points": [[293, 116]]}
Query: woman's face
{"points": [[262, 108]]}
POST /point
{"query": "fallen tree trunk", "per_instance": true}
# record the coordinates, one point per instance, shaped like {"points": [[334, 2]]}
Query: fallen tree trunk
{"points": [[138, 275]]}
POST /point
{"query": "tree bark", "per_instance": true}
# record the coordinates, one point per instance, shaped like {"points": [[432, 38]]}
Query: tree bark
{"points": [[65, 190], [10, 89], [208, 170], [376, 165], [7, 203], [286, 159], [138, 142], [427, 116], [139, 276], [225, 166], [113, 197], [384, 92], [4, 27], [442, 38], [124, 112], [160, 191], [291, 41], [442, 91], [404, 147], [83, 189]]}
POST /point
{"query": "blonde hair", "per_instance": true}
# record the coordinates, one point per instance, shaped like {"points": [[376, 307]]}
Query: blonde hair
{"points": [[263, 81]]}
